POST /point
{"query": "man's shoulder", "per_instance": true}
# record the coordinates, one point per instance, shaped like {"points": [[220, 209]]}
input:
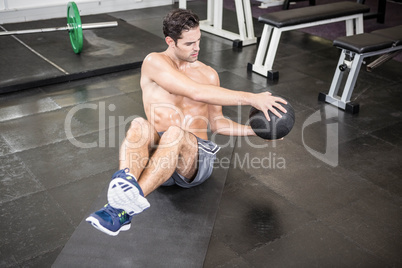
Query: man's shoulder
{"points": [[203, 67], [154, 56], [156, 61], [208, 71]]}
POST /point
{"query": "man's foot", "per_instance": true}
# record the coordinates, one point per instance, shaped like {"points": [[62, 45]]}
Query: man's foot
{"points": [[110, 220], [125, 193]]}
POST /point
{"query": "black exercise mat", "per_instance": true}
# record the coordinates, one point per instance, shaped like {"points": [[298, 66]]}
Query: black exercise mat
{"points": [[174, 232], [105, 50]]}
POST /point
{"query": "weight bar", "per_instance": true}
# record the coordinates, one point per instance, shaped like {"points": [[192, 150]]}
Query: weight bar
{"points": [[45, 30], [74, 28]]}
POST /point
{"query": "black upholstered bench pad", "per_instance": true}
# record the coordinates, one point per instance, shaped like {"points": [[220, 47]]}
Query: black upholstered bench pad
{"points": [[394, 33], [312, 13], [362, 43]]}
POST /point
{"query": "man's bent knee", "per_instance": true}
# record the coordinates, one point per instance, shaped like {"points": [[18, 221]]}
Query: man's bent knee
{"points": [[177, 137], [139, 123], [172, 136], [140, 133]]}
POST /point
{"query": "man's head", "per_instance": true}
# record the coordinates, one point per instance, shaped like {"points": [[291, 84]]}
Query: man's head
{"points": [[177, 21]]}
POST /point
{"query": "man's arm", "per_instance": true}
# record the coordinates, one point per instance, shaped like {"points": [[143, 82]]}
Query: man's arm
{"points": [[224, 126], [159, 70]]}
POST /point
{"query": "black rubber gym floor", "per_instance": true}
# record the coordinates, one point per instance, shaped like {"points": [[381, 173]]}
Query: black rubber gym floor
{"points": [[328, 195]]}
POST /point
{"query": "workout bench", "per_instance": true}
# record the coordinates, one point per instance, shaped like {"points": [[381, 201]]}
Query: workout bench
{"points": [[385, 42], [287, 20]]}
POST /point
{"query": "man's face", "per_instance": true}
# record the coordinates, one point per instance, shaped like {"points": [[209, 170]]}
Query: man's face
{"points": [[188, 47]]}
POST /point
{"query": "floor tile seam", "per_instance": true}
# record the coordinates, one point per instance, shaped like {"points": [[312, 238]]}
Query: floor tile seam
{"points": [[98, 100], [255, 87], [284, 236], [378, 138], [37, 255], [46, 144], [33, 177], [60, 207], [306, 224], [21, 196], [31, 115], [305, 72], [58, 140], [397, 82], [369, 182], [44, 189], [98, 172], [45, 96], [214, 218], [325, 221], [367, 87], [306, 107], [284, 59], [8, 146], [394, 196], [351, 240], [13, 265], [35, 114], [229, 262], [382, 77], [396, 200], [87, 101], [62, 107], [368, 133]]}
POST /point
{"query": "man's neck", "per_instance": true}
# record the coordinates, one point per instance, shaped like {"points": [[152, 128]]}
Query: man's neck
{"points": [[180, 64]]}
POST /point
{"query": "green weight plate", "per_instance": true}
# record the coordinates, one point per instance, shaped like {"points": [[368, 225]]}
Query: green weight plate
{"points": [[74, 22]]}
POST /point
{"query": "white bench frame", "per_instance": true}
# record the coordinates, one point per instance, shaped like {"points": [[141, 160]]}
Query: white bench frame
{"points": [[343, 102], [213, 23], [271, 35]]}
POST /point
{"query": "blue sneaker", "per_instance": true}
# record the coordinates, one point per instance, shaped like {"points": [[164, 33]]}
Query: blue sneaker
{"points": [[110, 220], [125, 193]]}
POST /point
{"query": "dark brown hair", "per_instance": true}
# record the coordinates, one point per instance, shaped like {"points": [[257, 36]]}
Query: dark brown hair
{"points": [[177, 21]]}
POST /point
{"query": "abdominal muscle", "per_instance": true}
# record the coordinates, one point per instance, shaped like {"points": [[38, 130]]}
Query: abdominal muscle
{"points": [[187, 114]]}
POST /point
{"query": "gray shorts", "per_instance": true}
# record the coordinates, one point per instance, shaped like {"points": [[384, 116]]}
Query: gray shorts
{"points": [[206, 156]]}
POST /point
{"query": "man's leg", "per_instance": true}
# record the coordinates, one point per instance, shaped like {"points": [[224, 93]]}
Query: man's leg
{"points": [[141, 139], [177, 151], [124, 191], [134, 154]]}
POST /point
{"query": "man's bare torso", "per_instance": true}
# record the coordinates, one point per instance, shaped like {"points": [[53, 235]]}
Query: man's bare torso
{"points": [[164, 109]]}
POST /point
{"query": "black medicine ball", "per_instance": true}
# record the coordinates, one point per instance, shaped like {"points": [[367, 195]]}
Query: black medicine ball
{"points": [[277, 128]]}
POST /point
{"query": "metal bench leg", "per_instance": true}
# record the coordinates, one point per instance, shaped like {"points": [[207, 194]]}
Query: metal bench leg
{"points": [[359, 24], [272, 49], [338, 76], [262, 49], [267, 50], [352, 77], [355, 26], [343, 101]]}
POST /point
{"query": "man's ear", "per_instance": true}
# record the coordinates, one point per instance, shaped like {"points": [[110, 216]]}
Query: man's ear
{"points": [[170, 42]]}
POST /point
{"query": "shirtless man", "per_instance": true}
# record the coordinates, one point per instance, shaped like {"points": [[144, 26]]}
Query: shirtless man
{"points": [[181, 98]]}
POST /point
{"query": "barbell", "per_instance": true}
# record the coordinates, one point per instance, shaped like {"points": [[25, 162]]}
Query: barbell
{"points": [[74, 28]]}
